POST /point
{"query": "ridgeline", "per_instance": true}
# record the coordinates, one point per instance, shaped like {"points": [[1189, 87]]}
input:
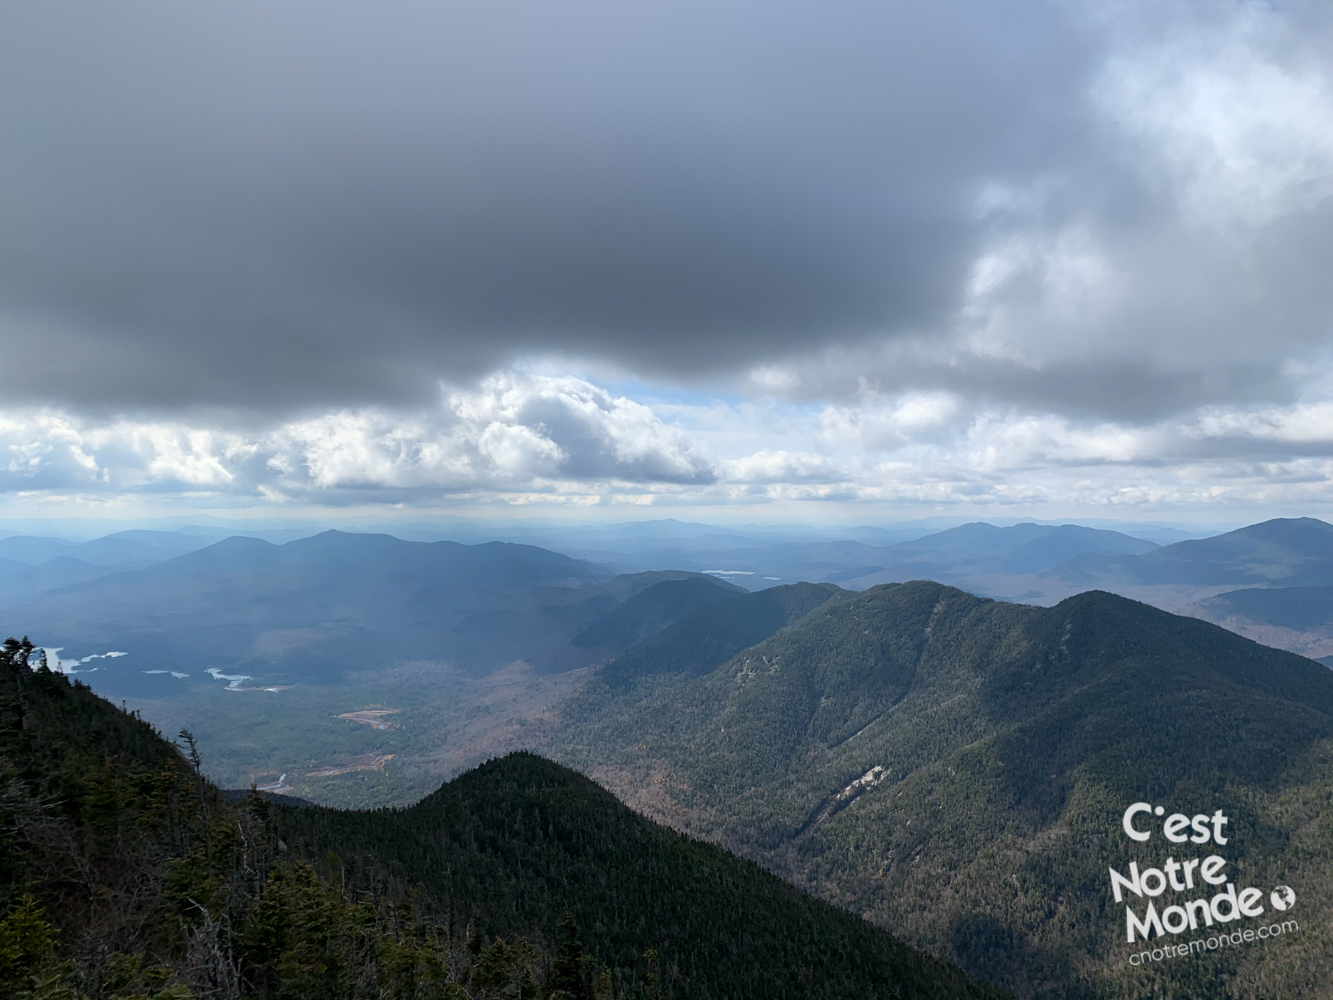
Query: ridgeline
{"points": [[955, 769], [125, 873]]}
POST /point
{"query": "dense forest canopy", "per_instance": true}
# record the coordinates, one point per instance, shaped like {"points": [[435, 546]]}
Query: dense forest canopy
{"points": [[955, 769], [125, 873]]}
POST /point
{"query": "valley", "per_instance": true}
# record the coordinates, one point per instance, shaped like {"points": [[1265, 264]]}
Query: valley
{"points": [[446, 720], [519, 878], [948, 766]]}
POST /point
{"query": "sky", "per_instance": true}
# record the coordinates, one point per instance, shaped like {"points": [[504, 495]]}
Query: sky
{"points": [[850, 260]]}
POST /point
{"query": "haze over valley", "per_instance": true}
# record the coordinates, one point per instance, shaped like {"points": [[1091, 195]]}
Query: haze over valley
{"points": [[263, 647]]}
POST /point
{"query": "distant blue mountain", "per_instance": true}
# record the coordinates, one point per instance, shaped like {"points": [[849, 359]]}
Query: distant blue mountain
{"points": [[117, 549], [33, 549], [20, 582], [1018, 549], [309, 609], [1285, 552], [760, 557]]}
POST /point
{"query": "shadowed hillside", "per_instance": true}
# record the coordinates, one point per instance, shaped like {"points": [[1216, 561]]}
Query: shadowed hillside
{"points": [[1296, 618], [699, 641], [520, 840], [652, 609], [124, 873]]}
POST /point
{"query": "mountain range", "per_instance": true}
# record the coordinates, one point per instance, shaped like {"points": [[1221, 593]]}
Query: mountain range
{"points": [[955, 769], [470, 646], [1288, 552], [307, 609], [123, 872], [950, 767], [1272, 581]]}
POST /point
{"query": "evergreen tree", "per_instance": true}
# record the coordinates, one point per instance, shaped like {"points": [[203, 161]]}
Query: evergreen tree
{"points": [[567, 970]]}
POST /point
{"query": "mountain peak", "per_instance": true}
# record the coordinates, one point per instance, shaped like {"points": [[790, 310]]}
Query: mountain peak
{"points": [[1285, 529]]}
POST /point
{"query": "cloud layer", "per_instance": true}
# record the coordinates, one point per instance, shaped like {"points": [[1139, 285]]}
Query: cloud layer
{"points": [[899, 251], [206, 203], [509, 433], [523, 438]]}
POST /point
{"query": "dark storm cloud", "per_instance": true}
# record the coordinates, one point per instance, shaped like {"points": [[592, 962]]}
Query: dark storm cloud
{"points": [[281, 206], [1106, 211]]}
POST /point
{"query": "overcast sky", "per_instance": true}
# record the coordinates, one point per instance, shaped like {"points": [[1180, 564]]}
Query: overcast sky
{"points": [[890, 259]]}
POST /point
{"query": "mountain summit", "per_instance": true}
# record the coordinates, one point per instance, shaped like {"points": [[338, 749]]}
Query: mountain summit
{"points": [[1287, 552], [123, 872], [956, 768]]}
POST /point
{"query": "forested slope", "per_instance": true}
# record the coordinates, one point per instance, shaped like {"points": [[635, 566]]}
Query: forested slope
{"points": [[124, 873], [708, 636], [956, 768], [518, 841]]}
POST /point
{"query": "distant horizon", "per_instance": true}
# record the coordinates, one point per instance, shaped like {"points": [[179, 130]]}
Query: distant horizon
{"points": [[476, 524]]}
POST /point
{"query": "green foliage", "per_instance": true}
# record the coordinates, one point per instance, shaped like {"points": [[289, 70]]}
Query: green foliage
{"points": [[711, 635], [1008, 740], [520, 842], [27, 943], [126, 874], [567, 971], [651, 609]]}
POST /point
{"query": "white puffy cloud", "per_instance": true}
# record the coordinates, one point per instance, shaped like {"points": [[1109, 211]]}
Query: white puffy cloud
{"points": [[875, 421], [505, 433], [595, 435], [525, 439], [1234, 117], [1169, 258], [44, 450], [781, 466], [508, 433]]}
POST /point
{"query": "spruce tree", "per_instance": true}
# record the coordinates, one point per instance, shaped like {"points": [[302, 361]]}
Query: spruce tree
{"points": [[567, 970]]}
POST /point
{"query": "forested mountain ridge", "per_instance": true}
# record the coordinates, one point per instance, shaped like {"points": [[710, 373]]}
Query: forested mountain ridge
{"points": [[305, 611], [124, 873], [1284, 551], [709, 635], [653, 608], [518, 840], [955, 769]]}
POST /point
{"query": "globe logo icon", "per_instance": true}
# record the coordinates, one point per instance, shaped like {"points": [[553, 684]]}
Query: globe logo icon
{"points": [[1283, 898]]}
